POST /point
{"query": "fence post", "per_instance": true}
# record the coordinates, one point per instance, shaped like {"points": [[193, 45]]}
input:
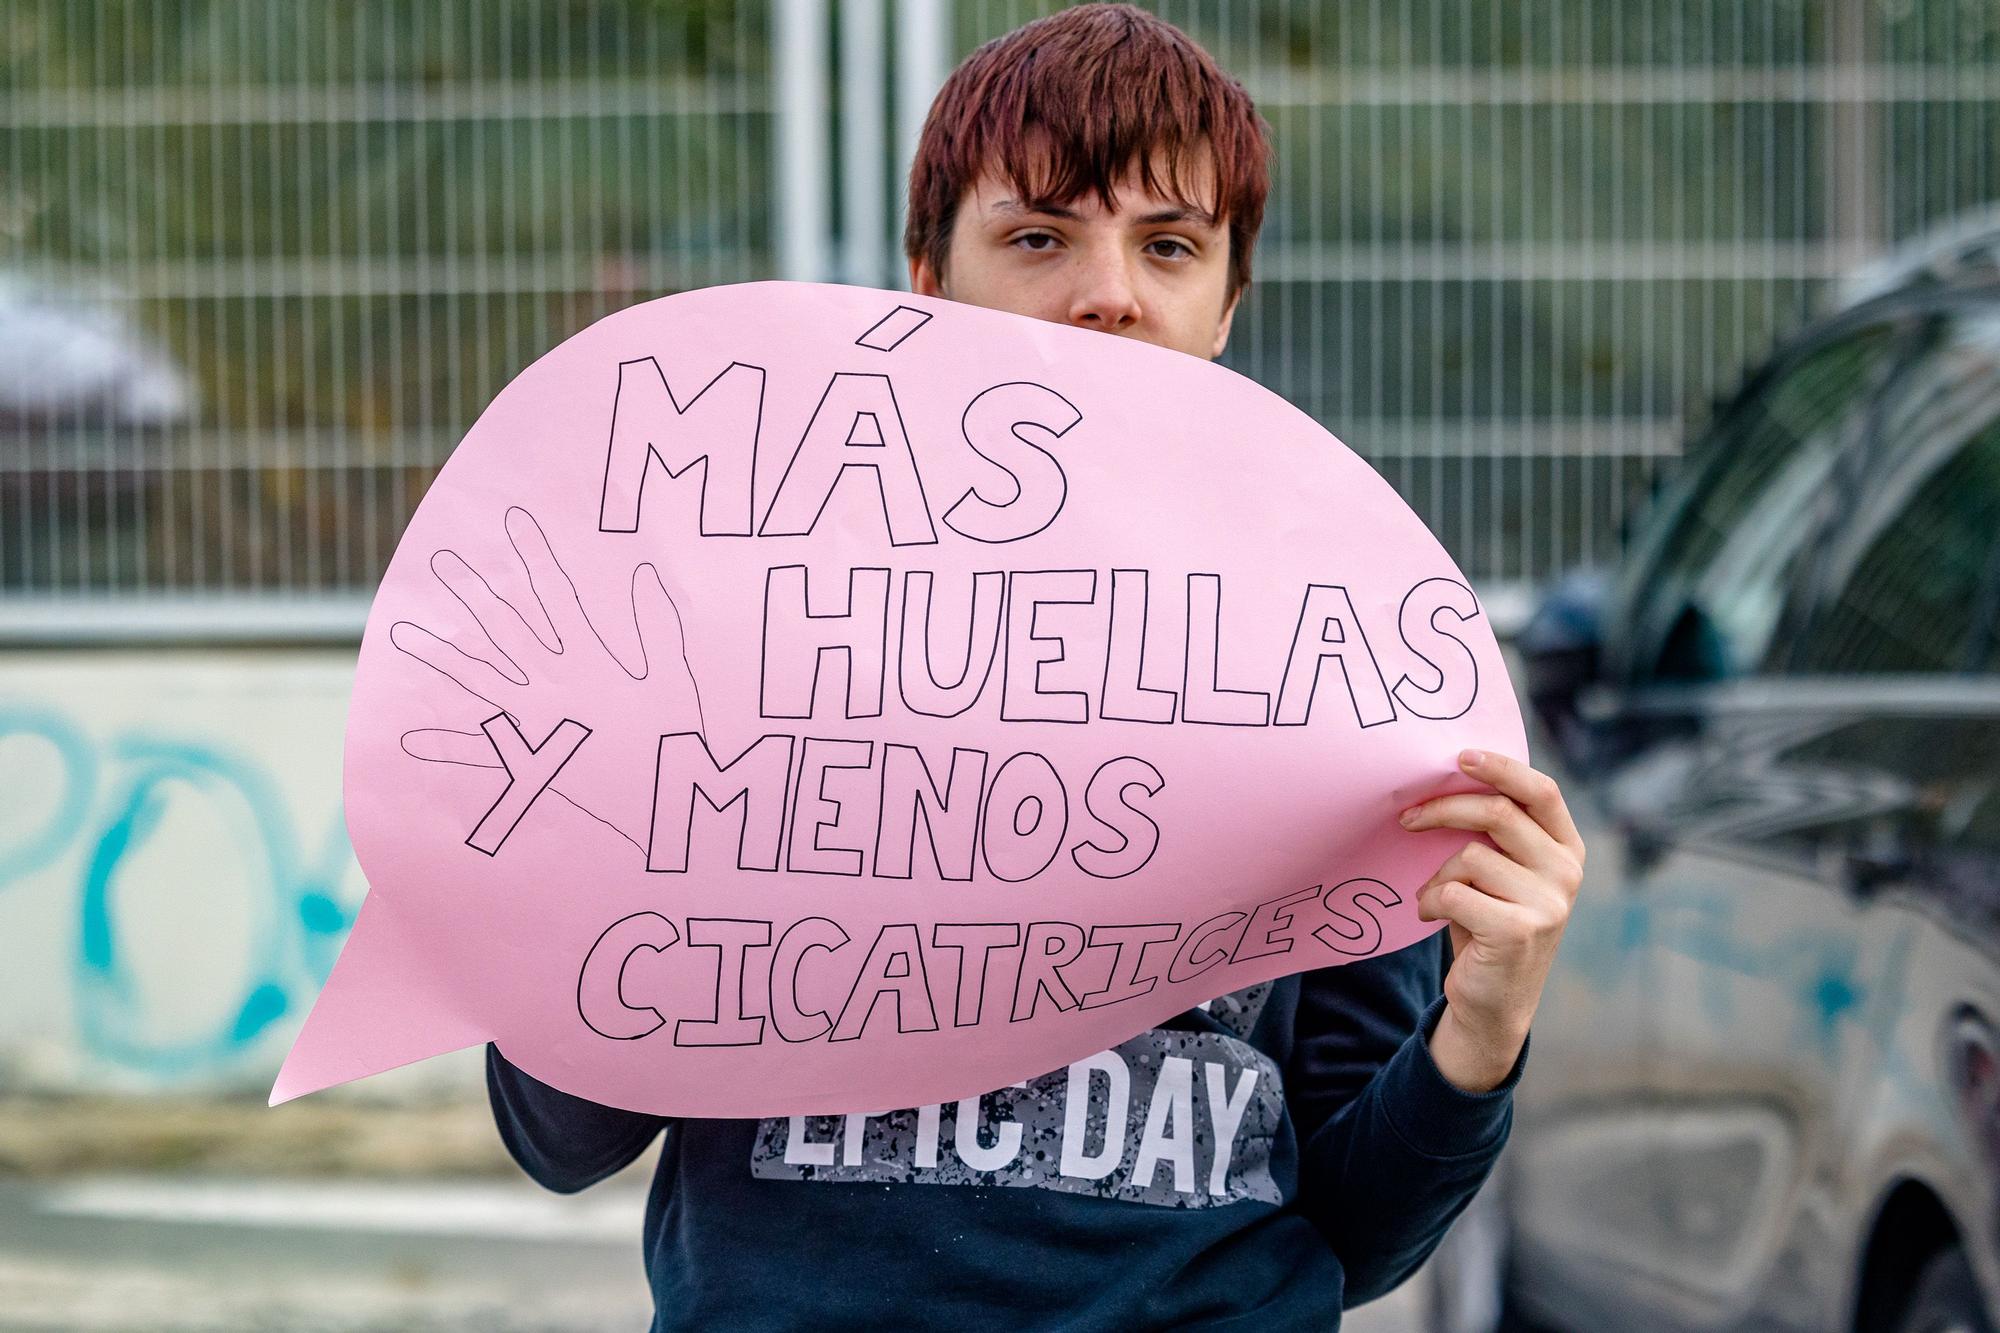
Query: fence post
{"points": [[803, 139], [864, 240], [923, 50]]}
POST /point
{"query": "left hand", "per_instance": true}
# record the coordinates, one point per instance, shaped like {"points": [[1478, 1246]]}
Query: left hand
{"points": [[1507, 902]]}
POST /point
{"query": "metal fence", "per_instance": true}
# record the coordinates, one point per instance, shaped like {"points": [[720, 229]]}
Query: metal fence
{"points": [[263, 261]]}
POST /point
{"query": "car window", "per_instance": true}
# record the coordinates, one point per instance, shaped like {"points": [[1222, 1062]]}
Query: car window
{"points": [[1710, 602], [1976, 833], [1907, 583], [1912, 780]]}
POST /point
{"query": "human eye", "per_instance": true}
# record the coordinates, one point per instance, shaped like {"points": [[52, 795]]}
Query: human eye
{"points": [[1185, 251], [1034, 236]]}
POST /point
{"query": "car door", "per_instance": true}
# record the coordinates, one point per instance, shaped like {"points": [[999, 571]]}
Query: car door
{"points": [[1811, 787], [1577, 1190], [1703, 598]]}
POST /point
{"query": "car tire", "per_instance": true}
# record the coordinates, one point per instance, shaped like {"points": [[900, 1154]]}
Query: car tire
{"points": [[1946, 1298]]}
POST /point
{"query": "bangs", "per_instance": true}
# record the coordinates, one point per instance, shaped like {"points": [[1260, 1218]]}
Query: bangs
{"points": [[1076, 103], [1060, 158]]}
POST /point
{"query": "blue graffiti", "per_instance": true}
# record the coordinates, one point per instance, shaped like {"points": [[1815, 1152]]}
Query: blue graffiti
{"points": [[1614, 937], [38, 847], [114, 797], [1819, 969]]}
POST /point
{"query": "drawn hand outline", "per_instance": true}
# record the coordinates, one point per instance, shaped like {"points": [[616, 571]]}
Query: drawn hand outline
{"points": [[539, 669]]}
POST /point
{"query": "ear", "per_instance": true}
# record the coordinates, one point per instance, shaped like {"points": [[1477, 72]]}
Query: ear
{"points": [[1228, 316], [924, 280]]}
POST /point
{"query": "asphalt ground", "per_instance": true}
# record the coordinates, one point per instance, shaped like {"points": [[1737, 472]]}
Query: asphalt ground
{"points": [[230, 1254]]}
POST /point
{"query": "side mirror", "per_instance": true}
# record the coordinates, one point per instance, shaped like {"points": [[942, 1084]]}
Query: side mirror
{"points": [[1870, 869], [1560, 653], [1881, 853]]}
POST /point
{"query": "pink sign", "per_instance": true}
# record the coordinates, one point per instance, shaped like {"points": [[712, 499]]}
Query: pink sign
{"points": [[806, 699]]}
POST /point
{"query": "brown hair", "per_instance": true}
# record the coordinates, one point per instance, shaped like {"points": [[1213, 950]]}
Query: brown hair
{"points": [[1110, 85]]}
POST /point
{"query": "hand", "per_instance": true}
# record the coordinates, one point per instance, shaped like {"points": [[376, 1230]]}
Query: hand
{"points": [[1508, 900], [551, 664]]}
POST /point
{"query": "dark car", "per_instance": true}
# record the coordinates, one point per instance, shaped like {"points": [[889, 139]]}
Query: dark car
{"points": [[1765, 1088]]}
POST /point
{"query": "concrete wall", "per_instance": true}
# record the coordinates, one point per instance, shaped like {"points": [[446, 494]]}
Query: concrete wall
{"points": [[175, 878]]}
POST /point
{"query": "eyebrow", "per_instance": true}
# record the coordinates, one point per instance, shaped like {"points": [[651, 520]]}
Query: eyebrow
{"points": [[1158, 217]]}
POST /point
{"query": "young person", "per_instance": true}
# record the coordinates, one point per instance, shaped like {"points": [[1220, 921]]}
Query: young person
{"points": [[1259, 1162]]}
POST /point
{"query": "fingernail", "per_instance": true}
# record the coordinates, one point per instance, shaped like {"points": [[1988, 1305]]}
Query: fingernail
{"points": [[1471, 759], [1407, 815]]}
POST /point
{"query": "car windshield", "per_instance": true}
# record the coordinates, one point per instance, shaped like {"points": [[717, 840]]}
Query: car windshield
{"points": [[1911, 581], [1711, 602]]}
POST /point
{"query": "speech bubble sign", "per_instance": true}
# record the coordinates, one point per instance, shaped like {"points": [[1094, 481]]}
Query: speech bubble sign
{"points": [[795, 698]]}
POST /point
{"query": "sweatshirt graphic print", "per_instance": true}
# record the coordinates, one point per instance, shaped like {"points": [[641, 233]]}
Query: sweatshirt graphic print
{"points": [[1175, 1118]]}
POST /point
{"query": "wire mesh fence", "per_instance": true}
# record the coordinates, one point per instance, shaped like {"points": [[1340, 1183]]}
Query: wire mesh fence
{"points": [[263, 262]]}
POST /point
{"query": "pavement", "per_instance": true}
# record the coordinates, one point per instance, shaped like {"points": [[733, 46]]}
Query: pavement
{"points": [[162, 1251], [120, 1252]]}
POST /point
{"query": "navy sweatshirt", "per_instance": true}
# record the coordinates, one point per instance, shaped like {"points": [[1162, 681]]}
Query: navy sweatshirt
{"points": [[1260, 1162]]}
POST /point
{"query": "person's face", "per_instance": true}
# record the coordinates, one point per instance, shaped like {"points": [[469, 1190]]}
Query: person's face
{"points": [[1146, 269]]}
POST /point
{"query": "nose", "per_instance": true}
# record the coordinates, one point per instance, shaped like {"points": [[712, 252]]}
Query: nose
{"points": [[1105, 298]]}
